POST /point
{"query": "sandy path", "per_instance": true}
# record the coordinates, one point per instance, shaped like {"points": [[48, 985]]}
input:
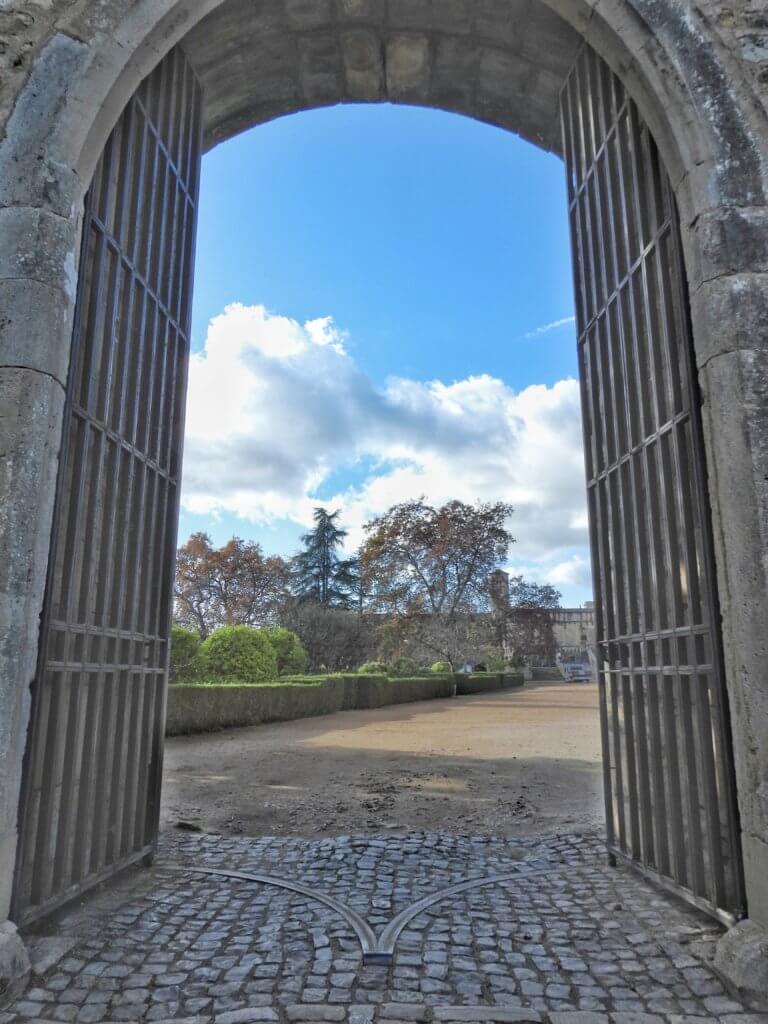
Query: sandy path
{"points": [[514, 762]]}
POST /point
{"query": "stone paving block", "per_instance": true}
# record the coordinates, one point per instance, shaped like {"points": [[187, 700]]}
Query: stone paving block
{"points": [[251, 1015], [176, 1020], [361, 1014], [403, 1011], [578, 1017], [175, 944], [302, 1012], [494, 1014], [636, 1017]]}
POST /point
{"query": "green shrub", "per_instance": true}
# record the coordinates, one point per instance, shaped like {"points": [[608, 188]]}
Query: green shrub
{"points": [[217, 682], [373, 668], [403, 667], [440, 667], [291, 656], [239, 653], [185, 644]]}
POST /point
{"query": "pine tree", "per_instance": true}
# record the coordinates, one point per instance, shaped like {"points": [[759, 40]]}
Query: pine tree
{"points": [[319, 574]]}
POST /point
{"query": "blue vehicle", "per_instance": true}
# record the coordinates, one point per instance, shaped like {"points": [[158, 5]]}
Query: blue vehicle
{"points": [[576, 671]]}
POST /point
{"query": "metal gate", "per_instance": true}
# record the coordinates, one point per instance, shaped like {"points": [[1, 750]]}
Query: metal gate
{"points": [[93, 765], [668, 767]]}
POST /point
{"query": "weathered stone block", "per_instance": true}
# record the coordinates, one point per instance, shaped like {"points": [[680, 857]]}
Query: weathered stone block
{"points": [[451, 16], [36, 168], [371, 11], [321, 89], [36, 319], [31, 406], [501, 75], [454, 73], [741, 959], [363, 64], [408, 67], [734, 389], [730, 313], [729, 240], [39, 246], [319, 53], [502, 21], [755, 850], [321, 69], [547, 43], [307, 14], [14, 962]]}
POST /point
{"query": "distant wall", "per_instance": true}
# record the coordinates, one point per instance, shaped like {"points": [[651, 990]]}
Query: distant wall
{"points": [[208, 708]]}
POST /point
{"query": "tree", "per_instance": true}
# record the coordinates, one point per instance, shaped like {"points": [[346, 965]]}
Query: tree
{"points": [[235, 585], [319, 574], [427, 570], [239, 654], [185, 644], [529, 624], [334, 639], [291, 656]]}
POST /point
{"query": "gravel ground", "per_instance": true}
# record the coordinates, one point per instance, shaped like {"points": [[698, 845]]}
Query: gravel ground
{"points": [[512, 763]]}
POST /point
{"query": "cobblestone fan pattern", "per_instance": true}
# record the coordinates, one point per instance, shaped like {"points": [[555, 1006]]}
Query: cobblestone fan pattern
{"points": [[568, 940]]}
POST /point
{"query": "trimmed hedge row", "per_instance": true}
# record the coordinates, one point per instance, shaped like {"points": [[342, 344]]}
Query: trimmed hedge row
{"points": [[208, 708], [486, 682]]}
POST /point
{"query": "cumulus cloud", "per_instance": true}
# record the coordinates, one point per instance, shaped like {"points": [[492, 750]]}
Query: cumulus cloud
{"points": [[277, 407]]}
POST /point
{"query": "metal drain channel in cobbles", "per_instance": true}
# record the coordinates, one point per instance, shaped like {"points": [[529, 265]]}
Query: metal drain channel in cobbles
{"points": [[376, 949]]}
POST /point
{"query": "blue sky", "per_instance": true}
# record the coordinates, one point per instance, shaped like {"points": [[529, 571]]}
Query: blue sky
{"points": [[373, 299]]}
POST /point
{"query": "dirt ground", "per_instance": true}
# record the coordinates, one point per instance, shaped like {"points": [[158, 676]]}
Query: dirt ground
{"points": [[510, 763]]}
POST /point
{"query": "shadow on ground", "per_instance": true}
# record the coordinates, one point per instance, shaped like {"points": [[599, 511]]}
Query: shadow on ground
{"points": [[510, 765]]}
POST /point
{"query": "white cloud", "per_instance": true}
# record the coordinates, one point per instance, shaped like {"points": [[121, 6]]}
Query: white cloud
{"points": [[546, 328], [574, 571], [275, 407]]}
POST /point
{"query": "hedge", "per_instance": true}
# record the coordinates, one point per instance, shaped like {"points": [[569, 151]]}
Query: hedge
{"points": [[486, 682], [203, 708], [219, 704]]}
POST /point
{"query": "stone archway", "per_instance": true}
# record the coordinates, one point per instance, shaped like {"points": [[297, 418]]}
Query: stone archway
{"points": [[691, 88]]}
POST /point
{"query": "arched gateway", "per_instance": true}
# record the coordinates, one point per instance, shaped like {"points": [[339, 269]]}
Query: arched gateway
{"points": [[661, 137]]}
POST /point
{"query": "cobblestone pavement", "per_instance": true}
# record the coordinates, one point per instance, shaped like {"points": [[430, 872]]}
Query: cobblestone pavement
{"points": [[562, 939]]}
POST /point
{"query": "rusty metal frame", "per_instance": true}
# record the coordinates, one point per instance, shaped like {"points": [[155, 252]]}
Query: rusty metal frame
{"points": [[93, 764], [669, 781]]}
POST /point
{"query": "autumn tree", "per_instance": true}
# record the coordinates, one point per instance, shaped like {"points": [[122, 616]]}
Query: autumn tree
{"points": [[235, 585], [427, 569], [319, 572], [530, 631]]}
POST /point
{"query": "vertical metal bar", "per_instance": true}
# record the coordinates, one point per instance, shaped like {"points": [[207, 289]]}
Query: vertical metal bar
{"points": [[92, 767], [668, 772]]}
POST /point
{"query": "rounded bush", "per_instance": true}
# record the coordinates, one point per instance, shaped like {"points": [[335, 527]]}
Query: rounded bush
{"points": [[239, 652], [373, 668], [440, 667], [291, 656], [403, 667], [185, 645]]}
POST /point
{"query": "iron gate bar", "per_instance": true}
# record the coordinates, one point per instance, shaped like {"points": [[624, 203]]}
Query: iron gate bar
{"points": [[668, 777], [94, 757]]}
